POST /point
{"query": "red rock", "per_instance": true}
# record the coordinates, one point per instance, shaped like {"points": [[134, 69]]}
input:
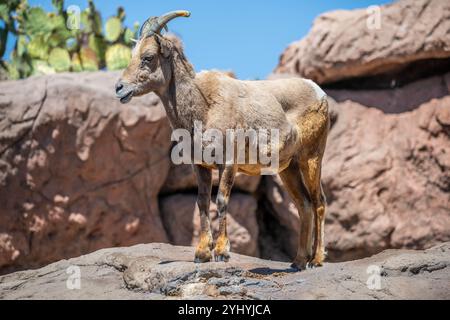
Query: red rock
{"points": [[387, 181], [341, 45], [79, 171]]}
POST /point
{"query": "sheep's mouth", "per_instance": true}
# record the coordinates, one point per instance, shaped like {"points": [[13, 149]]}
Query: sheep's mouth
{"points": [[127, 97]]}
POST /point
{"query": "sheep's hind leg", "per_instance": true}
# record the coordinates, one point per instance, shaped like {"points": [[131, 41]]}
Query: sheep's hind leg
{"points": [[205, 245], [226, 176], [319, 244], [311, 172], [293, 182]]}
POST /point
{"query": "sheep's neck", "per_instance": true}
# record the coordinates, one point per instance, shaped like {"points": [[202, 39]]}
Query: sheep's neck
{"points": [[182, 99]]}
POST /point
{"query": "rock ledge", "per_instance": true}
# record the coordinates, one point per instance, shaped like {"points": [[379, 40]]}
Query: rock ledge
{"points": [[162, 271]]}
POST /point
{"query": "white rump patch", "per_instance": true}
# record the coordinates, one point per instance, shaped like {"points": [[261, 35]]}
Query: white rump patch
{"points": [[319, 92]]}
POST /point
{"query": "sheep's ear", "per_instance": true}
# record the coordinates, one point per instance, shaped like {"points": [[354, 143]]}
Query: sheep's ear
{"points": [[165, 46]]}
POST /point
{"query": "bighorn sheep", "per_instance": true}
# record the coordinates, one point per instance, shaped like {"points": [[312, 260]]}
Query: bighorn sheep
{"points": [[297, 107]]}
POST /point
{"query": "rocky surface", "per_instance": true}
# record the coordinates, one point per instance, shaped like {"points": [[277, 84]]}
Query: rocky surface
{"points": [[162, 271], [348, 44]]}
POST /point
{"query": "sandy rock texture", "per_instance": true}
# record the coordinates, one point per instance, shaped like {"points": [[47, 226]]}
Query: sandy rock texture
{"points": [[162, 271], [78, 171]]}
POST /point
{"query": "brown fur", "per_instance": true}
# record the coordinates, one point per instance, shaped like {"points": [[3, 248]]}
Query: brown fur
{"points": [[294, 106]]}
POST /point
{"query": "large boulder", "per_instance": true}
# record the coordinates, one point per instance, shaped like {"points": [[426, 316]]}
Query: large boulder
{"points": [[79, 171], [347, 44], [386, 178], [182, 220], [385, 171]]}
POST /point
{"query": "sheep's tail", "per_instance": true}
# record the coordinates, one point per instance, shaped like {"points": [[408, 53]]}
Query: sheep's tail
{"points": [[322, 105]]}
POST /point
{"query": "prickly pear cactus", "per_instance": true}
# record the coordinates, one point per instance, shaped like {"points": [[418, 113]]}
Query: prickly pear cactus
{"points": [[21, 45], [41, 67], [76, 63], [18, 66], [118, 57], [37, 22], [37, 48], [91, 20], [98, 45], [89, 60], [59, 59], [45, 44], [113, 29]]}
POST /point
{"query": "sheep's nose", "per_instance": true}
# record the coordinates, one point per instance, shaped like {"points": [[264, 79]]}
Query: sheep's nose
{"points": [[119, 86]]}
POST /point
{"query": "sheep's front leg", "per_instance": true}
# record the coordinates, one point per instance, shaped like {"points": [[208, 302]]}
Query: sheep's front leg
{"points": [[226, 176], [205, 245]]}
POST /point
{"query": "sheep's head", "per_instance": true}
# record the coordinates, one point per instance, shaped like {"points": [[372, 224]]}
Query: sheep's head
{"points": [[150, 66]]}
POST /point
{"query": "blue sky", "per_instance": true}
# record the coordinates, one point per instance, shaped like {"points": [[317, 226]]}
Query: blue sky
{"points": [[246, 36]]}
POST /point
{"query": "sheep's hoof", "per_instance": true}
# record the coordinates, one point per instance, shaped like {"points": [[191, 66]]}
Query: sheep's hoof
{"points": [[222, 249], [202, 256], [314, 263], [224, 257], [317, 261], [300, 264]]}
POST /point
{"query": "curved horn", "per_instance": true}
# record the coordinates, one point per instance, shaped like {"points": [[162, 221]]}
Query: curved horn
{"points": [[154, 25]]}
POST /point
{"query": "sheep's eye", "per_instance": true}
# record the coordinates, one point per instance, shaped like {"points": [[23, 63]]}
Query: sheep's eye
{"points": [[147, 59]]}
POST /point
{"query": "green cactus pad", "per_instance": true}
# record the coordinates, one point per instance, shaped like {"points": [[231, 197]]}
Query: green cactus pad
{"points": [[37, 22], [113, 29], [38, 48], [21, 45], [3, 72], [60, 33], [41, 67], [59, 59], [121, 13], [129, 34], [97, 44], [89, 59], [4, 12], [13, 72], [59, 5], [117, 57], [92, 23], [76, 63], [17, 67]]}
